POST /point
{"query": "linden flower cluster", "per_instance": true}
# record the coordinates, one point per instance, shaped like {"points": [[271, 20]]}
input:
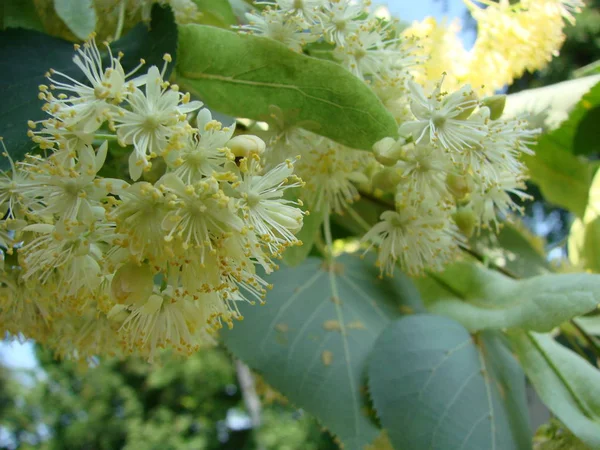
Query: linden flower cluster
{"points": [[97, 265], [456, 167], [512, 38]]}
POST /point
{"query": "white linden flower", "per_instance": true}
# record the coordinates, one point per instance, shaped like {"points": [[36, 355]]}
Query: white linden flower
{"points": [[11, 198], [368, 52], [274, 25], [169, 318], [307, 9], [495, 201], [155, 117], [139, 215], [341, 19], [424, 170], [418, 238], [200, 213], [69, 191], [74, 257], [272, 217], [330, 173], [84, 106], [439, 118], [204, 154]]}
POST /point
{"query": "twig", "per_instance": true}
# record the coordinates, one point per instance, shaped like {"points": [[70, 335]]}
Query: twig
{"points": [[249, 394], [478, 256]]}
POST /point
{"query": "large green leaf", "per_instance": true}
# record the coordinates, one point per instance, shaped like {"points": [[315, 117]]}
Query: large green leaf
{"points": [[433, 389], [568, 384], [218, 13], [312, 338], [539, 303], [78, 15], [243, 75], [26, 55]]}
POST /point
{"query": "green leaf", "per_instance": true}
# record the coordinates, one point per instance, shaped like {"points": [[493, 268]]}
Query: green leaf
{"points": [[587, 137], [563, 178], [243, 75], [539, 303], [20, 14], [433, 389], [312, 338], [567, 384], [26, 55], [78, 15], [218, 13]]}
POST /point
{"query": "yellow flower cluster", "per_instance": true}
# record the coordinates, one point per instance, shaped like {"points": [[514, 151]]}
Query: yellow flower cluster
{"points": [[512, 38], [96, 265]]}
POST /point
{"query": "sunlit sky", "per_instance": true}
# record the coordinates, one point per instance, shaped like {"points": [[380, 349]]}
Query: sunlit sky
{"points": [[16, 355], [410, 10]]}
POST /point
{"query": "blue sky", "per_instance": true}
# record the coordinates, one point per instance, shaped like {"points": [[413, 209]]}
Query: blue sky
{"points": [[409, 10]]}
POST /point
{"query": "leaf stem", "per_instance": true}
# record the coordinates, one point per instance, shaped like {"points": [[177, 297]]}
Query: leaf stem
{"points": [[491, 264], [328, 236]]}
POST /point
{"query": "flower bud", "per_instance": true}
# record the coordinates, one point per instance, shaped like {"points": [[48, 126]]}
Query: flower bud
{"points": [[245, 144], [132, 284], [386, 179], [388, 151], [495, 104], [118, 313], [459, 185], [465, 220]]}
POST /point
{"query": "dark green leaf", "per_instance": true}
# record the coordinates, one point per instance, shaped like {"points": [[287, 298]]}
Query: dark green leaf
{"points": [[433, 389], [587, 137], [311, 339], [243, 75], [26, 55], [20, 14]]}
